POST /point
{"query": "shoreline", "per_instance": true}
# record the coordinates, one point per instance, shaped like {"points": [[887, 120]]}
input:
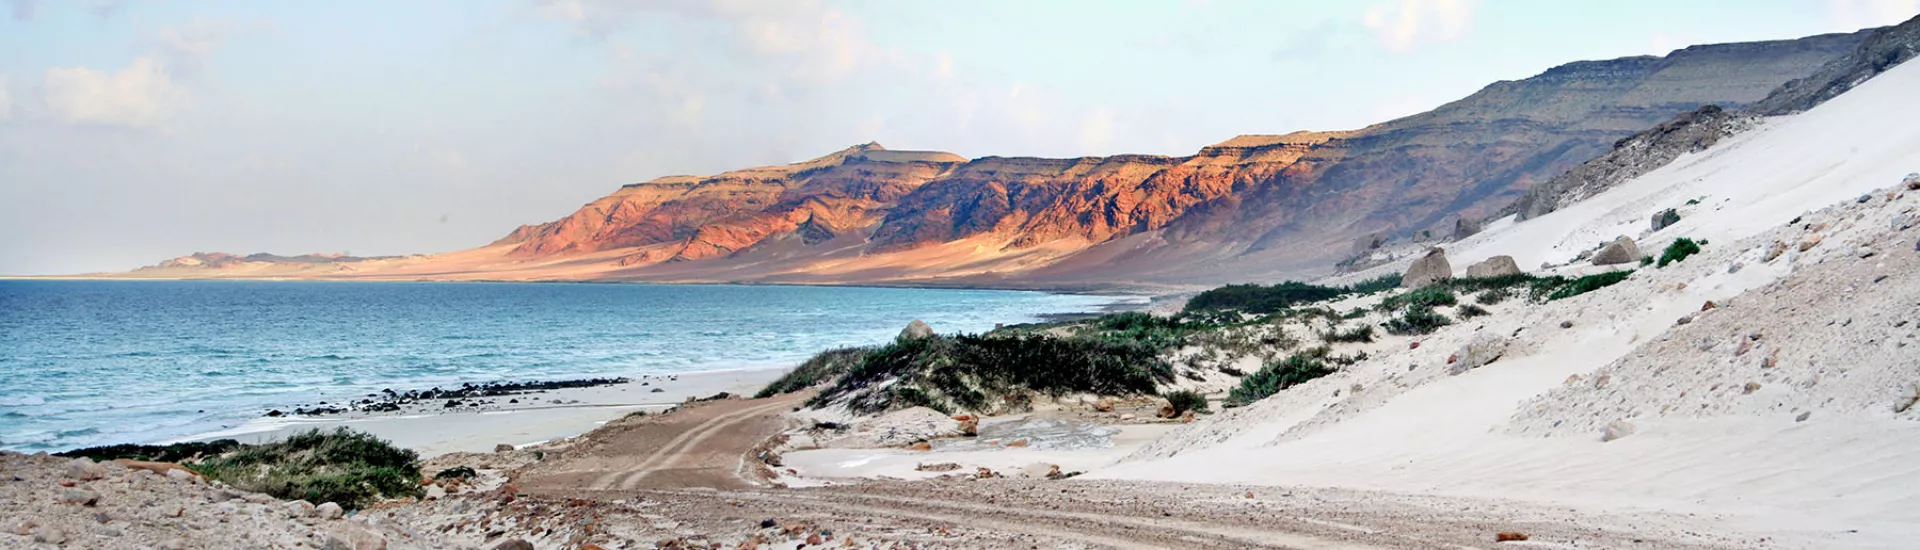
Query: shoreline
{"points": [[539, 416], [1115, 290]]}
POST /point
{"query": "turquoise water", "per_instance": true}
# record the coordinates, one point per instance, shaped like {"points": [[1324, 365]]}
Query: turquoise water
{"points": [[98, 362]]}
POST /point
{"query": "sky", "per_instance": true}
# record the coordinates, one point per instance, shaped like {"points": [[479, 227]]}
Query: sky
{"points": [[132, 131]]}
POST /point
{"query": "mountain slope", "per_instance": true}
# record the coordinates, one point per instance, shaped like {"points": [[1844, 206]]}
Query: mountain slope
{"points": [[1252, 207]]}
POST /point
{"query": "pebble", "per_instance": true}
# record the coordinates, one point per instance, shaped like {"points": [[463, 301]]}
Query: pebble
{"points": [[50, 535], [299, 509], [1863, 252], [85, 469], [81, 497], [330, 510], [1803, 416]]}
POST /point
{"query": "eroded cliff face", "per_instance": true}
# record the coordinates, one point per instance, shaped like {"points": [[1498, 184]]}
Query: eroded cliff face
{"points": [[1250, 208]]}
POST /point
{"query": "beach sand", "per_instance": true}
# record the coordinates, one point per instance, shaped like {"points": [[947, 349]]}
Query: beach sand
{"points": [[538, 417]]}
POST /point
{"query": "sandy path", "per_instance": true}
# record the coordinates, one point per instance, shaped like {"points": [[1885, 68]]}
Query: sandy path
{"points": [[702, 445]]}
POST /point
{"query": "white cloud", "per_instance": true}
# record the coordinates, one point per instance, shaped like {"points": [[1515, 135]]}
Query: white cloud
{"points": [[6, 100], [1416, 22], [141, 94], [187, 46], [1849, 15]]}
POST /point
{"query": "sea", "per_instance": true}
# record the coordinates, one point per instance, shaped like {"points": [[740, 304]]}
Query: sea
{"points": [[102, 362]]}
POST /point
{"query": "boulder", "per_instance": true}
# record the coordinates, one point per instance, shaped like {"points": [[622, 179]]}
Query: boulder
{"points": [[329, 510], [1368, 242], [1429, 269], [1665, 218], [85, 469], [1616, 430], [1497, 266], [1104, 404], [915, 330], [1620, 251], [514, 544], [1484, 348], [1464, 228], [507, 447], [298, 509], [1912, 182]]}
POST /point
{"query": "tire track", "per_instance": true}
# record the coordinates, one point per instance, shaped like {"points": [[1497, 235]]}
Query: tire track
{"points": [[679, 446]]}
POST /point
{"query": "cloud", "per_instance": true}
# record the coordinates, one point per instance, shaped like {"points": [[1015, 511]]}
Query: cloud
{"points": [[1414, 22], [186, 47], [1097, 131], [141, 94], [1849, 15], [6, 100]]}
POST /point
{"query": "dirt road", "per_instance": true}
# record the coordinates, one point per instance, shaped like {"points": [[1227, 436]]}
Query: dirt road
{"points": [[684, 476], [699, 445]]}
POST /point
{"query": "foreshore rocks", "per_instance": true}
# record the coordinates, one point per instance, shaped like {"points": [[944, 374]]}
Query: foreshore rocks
{"points": [[1620, 251], [391, 401]]}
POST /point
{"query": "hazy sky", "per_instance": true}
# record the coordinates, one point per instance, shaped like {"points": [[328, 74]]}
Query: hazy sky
{"points": [[133, 131]]}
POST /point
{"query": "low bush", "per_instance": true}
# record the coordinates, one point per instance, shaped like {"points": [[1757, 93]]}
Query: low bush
{"points": [[1272, 378], [1416, 319], [1494, 296], [354, 469], [1470, 311], [1361, 334], [1430, 296], [986, 373], [177, 452], [1587, 284], [1257, 299], [1186, 400], [820, 369], [1679, 250]]}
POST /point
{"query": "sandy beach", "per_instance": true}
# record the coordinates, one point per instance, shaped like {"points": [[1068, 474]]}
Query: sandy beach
{"points": [[538, 417]]}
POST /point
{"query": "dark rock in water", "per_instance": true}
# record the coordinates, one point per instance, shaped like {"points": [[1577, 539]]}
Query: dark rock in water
{"points": [[276, 413], [1665, 218], [1429, 269]]}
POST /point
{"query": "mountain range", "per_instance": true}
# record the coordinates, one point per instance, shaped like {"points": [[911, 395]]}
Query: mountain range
{"points": [[1250, 208]]}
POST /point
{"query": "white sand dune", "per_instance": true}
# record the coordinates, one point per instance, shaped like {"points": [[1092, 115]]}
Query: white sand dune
{"points": [[1526, 427]]}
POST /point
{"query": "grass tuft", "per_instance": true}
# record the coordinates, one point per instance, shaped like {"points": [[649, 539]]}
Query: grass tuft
{"points": [[1186, 400], [1272, 378], [354, 469], [1679, 250]]}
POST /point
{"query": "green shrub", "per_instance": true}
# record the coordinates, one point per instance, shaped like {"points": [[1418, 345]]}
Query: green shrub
{"points": [[1363, 333], [1274, 377], [1470, 311], [1417, 319], [984, 373], [354, 469], [1679, 250], [1186, 400], [1494, 296], [820, 369], [1389, 281], [1430, 296], [177, 452], [1258, 299], [1587, 284]]}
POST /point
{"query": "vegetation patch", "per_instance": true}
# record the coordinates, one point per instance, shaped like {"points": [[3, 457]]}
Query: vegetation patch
{"points": [[1186, 400], [1470, 311], [1416, 319], [820, 369], [354, 469], [1274, 377], [1359, 334], [1587, 284], [1262, 300], [1678, 250], [994, 372], [1429, 296]]}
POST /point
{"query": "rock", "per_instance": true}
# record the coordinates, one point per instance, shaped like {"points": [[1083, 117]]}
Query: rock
{"points": [[768, 524], [1863, 199], [1566, 324], [298, 509], [1128, 416], [814, 540], [1507, 536], [435, 492], [182, 474], [1912, 182], [1482, 349], [330, 510], [1166, 411], [1463, 228], [1429, 269], [518, 544], [1413, 345], [1750, 388], [1616, 430], [1708, 305], [1810, 242], [1104, 404], [502, 448], [1665, 218], [916, 329], [1863, 252], [81, 497], [1620, 251], [1497, 266], [1775, 250], [50, 535], [85, 469], [921, 446], [1904, 222], [970, 427], [1803, 416]]}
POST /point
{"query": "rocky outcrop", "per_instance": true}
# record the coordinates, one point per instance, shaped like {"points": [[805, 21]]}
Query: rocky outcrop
{"points": [[1620, 251], [1882, 49], [1497, 266], [916, 330], [1429, 269], [1665, 218]]}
